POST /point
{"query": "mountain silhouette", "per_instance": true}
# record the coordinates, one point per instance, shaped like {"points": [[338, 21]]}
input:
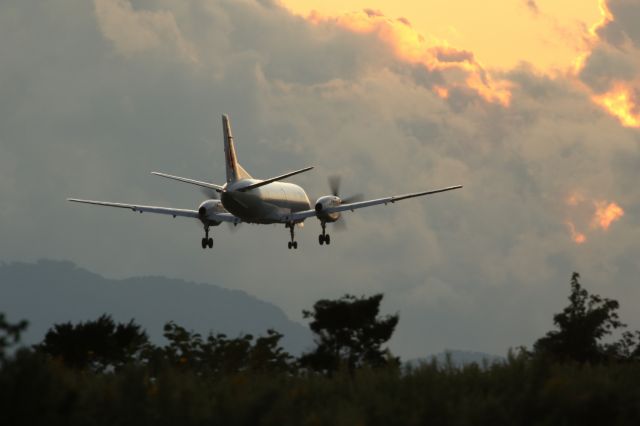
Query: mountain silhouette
{"points": [[48, 292]]}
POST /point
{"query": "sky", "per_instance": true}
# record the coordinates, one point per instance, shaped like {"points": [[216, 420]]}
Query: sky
{"points": [[531, 105]]}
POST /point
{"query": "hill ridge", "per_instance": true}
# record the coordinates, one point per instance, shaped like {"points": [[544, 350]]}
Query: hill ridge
{"points": [[52, 291]]}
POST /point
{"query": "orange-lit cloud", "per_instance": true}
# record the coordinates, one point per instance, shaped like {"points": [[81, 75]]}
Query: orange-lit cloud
{"points": [[410, 46], [622, 103], [574, 199], [605, 17], [606, 214], [577, 237], [615, 95], [589, 214], [441, 91], [619, 97]]}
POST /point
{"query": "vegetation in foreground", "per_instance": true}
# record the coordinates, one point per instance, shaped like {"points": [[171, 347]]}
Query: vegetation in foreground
{"points": [[100, 372]]}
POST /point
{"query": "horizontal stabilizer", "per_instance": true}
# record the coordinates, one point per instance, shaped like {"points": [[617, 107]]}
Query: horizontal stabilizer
{"points": [[191, 181], [274, 179]]}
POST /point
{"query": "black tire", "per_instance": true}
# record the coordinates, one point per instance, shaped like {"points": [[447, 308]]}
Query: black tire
{"points": [[289, 245], [321, 239], [295, 245], [327, 239], [204, 243], [210, 242]]}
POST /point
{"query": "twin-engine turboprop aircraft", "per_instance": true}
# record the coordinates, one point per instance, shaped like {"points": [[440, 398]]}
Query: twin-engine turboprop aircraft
{"points": [[245, 199]]}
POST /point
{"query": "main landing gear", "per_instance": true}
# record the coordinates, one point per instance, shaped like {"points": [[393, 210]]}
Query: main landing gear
{"points": [[324, 237], [292, 244], [206, 241]]}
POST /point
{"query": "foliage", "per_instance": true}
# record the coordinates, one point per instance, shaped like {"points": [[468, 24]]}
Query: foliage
{"points": [[9, 334], [95, 345], [581, 327], [35, 389], [349, 333], [102, 373], [218, 354]]}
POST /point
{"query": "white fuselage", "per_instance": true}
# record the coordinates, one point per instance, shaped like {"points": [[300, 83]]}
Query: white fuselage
{"points": [[266, 204]]}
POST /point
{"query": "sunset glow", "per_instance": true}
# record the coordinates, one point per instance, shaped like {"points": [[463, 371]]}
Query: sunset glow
{"points": [[500, 33], [552, 37], [621, 102], [408, 45], [586, 215], [577, 237], [606, 214]]}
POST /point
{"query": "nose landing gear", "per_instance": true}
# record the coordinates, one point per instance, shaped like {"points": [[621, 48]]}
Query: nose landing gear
{"points": [[324, 237], [206, 241]]}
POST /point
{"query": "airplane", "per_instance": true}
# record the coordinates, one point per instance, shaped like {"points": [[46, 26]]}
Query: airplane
{"points": [[244, 199]]}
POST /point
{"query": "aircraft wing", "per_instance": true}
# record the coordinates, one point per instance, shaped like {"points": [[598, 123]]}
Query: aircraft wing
{"points": [[217, 217], [299, 216], [141, 208]]}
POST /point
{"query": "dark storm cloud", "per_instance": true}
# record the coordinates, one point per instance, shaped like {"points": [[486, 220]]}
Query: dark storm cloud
{"points": [[94, 96]]}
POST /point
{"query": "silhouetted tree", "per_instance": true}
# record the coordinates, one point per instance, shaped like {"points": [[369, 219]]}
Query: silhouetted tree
{"points": [[581, 326], [349, 332], [627, 348], [95, 344], [9, 334], [218, 354]]}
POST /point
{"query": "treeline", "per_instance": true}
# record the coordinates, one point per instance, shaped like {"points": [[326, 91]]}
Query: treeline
{"points": [[102, 372]]}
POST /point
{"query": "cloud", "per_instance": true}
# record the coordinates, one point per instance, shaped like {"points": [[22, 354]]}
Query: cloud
{"points": [[88, 113], [532, 6], [611, 68], [133, 31], [620, 23], [458, 67]]}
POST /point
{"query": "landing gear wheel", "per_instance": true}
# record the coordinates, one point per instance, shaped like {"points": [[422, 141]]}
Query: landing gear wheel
{"points": [[206, 241], [292, 243], [324, 237]]}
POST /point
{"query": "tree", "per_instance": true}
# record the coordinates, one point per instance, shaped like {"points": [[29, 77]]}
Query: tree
{"points": [[349, 332], [581, 327], [218, 354], [95, 344], [9, 334]]}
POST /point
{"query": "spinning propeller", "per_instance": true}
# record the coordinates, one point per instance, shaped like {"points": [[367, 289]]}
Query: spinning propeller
{"points": [[334, 186]]}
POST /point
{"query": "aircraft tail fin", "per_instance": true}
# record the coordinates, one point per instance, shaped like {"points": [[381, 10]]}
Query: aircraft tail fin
{"points": [[234, 169]]}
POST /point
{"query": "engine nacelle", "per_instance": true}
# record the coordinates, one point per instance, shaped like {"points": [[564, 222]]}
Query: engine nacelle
{"points": [[325, 202], [207, 211]]}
